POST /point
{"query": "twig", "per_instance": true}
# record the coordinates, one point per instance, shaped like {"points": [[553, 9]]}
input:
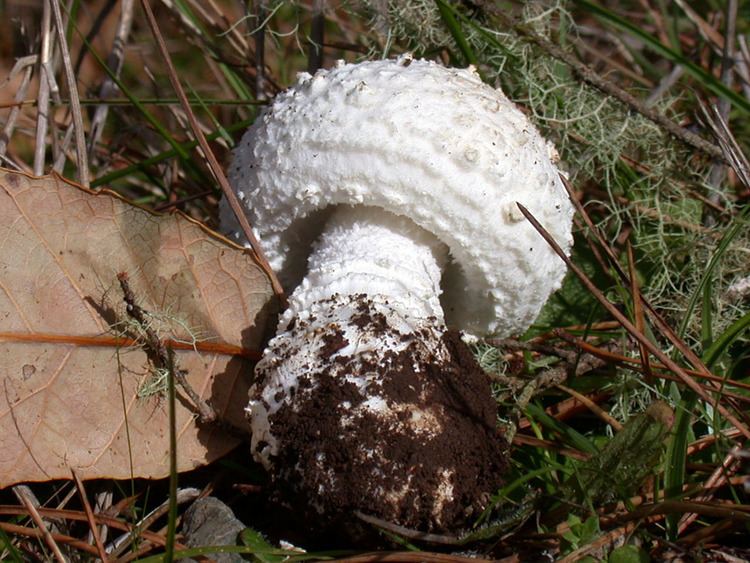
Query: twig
{"points": [[212, 161], [89, 516], [632, 330], [161, 355]]}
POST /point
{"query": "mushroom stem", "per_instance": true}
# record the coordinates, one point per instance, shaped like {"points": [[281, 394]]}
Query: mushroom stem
{"points": [[363, 399], [364, 253], [367, 250]]}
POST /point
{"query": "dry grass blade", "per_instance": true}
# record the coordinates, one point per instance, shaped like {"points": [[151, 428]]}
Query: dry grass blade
{"points": [[123, 542], [114, 62], [42, 102], [729, 146], [593, 407], [526, 440], [78, 516], [42, 527], [632, 330], [10, 122], [719, 477], [634, 363], [75, 104], [90, 516], [608, 539], [663, 327], [59, 538], [640, 321], [216, 168]]}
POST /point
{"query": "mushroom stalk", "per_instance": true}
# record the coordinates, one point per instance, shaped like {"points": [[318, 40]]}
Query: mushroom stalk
{"points": [[368, 265], [367, 250], [364, 400]]}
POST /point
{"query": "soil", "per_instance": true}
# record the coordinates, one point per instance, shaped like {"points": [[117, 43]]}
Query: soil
{"points": [[416, 446]]}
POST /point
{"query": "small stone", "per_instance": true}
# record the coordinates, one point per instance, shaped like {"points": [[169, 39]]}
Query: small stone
{"points": [[211, 522]]}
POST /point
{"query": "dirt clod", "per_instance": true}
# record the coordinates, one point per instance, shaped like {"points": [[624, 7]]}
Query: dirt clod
{"points": [[407, 436]]}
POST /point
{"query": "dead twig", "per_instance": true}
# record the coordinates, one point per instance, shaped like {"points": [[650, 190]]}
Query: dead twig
{"points": [[160, 354]]}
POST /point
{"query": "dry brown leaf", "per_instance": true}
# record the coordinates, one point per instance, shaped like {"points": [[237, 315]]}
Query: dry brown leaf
{"points": [[69, 378]]}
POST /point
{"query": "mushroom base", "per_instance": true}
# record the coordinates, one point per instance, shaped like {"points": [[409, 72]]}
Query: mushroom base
{"points": [[407, 435]]}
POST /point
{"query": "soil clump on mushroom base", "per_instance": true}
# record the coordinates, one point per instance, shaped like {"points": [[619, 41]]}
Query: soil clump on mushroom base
{"points": [[410, 439]]}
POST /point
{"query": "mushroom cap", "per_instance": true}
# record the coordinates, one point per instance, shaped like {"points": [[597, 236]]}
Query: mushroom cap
{"points": [[434, 144]]}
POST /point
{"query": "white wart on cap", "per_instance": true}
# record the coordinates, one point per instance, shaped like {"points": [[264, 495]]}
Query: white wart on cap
{"points": [[381, 191]]}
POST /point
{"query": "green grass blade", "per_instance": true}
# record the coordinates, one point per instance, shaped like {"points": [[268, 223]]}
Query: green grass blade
{"points": [[709, 81], [147, 115], [722, 343], [737, 225], [450, 21], [11, 552], [706, 316], [172, 514], [572, 436], [166, 155], [674, 472], [219, 127]]}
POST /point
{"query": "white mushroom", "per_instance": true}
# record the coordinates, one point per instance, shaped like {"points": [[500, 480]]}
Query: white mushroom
{"points": [[384, 194]]}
